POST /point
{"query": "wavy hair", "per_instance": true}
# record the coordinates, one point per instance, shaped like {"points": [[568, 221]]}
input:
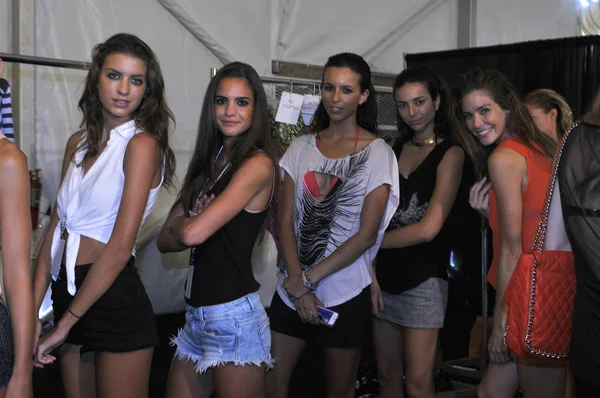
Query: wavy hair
{"points": [[366, 114], [546, 100], [518, 120], [436, 89], [258, 137], [152, 115]]}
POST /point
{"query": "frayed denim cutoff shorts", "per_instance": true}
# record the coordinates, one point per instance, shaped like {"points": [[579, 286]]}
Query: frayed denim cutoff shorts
{"points": [[236, 333]]}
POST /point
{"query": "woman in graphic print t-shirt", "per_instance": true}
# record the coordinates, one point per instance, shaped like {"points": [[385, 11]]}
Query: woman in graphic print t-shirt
{"points": [[339, 192]]}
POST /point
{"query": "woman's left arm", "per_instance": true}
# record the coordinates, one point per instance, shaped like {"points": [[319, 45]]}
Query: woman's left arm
{"points": [[140, 165], [448, 175]]}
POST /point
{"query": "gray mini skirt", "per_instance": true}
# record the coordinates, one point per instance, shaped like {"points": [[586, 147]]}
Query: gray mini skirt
{"points": [[422, 307]]}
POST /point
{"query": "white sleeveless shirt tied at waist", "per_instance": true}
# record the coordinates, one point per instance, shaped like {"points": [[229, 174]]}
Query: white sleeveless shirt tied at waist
{"points": [[88, 205]]}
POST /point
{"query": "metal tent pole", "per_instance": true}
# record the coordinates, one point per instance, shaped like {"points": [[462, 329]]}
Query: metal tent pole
{"points": [[32, 60]]}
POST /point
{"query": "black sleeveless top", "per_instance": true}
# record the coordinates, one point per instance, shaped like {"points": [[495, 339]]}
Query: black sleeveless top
{"points": [[222, 266], [579, 181], [399, 270]]}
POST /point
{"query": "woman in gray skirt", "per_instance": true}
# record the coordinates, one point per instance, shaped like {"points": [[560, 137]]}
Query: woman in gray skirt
{"points": [[410, 287]]}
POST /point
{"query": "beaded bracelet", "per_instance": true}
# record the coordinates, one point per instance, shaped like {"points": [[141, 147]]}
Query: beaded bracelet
{"points": [[307, 282]]}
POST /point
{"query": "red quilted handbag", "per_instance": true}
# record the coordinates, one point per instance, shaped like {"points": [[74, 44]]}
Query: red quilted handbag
{"points": [[541, 294]]}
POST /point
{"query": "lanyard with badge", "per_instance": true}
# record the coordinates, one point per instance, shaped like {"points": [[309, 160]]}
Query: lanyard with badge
{"points": [[190, 275]]}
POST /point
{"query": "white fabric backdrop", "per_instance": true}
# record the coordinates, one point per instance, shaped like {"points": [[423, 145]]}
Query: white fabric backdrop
{"points": [[256, 31]]}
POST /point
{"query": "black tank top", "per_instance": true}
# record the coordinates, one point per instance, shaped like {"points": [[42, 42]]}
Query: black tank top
{"points": [[399, 270], [222, 266]]}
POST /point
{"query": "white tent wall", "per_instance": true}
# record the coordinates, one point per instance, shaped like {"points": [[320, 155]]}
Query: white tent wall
{"points": [[257, 32], [5, 25], [511, 21]]}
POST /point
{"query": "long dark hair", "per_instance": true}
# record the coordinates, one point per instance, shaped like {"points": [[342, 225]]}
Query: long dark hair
{"points": [[366, 114], [518, 121], [546, 100], [437, 89], [258, 137], [153, 114]]}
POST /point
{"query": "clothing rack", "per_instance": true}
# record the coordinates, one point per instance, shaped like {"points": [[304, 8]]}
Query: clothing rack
{"points": [[42, 61], [82, 65], [309, 82]]}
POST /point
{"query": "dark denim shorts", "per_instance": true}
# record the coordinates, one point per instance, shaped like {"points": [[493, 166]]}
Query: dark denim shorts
{"points": [[122, 320], [6, 346]]}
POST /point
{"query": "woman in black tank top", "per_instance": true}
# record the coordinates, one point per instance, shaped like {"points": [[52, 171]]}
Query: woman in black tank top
{"points": [[219, 214], [410, 287]]}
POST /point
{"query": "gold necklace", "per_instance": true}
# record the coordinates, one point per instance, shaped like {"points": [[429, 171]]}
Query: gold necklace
{"points": [[425, 142]]}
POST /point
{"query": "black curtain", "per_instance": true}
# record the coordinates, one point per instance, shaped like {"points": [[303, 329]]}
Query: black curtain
{"points": [[570, 66]]}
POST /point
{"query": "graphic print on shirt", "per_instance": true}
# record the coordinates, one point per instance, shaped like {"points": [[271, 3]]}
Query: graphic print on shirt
{"points": [[410, 214], [326, 221]]}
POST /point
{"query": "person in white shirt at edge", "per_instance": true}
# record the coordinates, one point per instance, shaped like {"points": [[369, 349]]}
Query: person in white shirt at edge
{"points": [[112, 172]]}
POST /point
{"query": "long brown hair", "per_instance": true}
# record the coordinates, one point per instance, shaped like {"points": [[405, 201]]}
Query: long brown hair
{"points": [[258, 137], [546, 100], [153, 114], [366, 113], [518, 121]]}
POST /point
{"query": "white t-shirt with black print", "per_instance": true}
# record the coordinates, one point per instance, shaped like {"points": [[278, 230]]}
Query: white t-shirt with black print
{"points": [[324, 223]]}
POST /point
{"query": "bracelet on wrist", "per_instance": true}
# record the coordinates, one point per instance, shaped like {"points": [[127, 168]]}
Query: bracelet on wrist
{"points": [[307, 282], [76, 316]]}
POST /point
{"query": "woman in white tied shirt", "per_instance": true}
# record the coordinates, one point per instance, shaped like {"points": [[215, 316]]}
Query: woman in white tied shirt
{"points": [[112, 172]]}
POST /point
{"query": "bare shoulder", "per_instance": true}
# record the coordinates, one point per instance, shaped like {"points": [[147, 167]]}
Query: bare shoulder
{"points": [[505, 158], [12, 159], [259, 164], [455, 152], [142, 142]]}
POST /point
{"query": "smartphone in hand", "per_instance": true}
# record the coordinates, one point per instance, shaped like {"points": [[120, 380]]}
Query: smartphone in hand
{"points": [[327, 317]]}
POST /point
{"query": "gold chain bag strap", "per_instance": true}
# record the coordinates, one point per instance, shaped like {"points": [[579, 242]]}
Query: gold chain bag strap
{"points": [[541, 292]]}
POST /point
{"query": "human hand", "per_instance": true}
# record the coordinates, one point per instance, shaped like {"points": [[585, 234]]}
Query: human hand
{"points": [[498, 351], [306, 307], [479, 197], [201, 204], [294, 287], [376, 298], [53, 339]]}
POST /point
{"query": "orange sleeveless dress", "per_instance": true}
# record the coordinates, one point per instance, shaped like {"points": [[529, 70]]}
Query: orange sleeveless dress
{"points": [[538, 176]]}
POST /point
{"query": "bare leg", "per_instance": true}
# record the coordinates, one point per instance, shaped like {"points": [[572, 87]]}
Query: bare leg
{"points": [[540, 378], [570, 387], [420, 346], [123, 375], [286, 351], [341, 366], [246, 381], [77, 372], [499, 381], [184, 382], [388, 340]]}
